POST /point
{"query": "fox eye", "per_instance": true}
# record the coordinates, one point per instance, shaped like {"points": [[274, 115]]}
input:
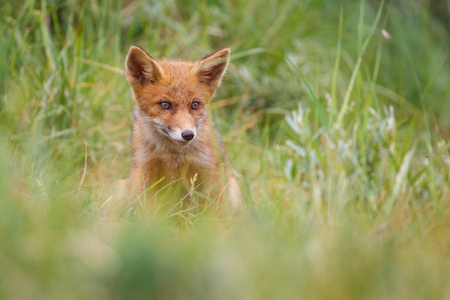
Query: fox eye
{"points": [[195, 105], [165, 105]]}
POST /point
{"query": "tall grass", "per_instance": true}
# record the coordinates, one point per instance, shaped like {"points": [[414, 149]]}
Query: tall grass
{"points": [[333, 113]]}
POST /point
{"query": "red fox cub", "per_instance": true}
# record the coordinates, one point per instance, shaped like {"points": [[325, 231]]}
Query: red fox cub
{"points": [[173, 135]]}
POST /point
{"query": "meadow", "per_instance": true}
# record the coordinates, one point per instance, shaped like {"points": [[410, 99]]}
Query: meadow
{"points": [[334, 113]]}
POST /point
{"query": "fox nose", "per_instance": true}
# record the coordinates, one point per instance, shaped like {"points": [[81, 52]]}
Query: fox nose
{"points": [[188, 135]]}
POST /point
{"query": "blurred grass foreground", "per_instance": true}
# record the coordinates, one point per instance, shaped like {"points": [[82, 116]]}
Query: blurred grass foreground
{"points": [[334, 113]]}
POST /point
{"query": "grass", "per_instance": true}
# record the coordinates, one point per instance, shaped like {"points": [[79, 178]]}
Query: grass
{"points": [[334, 113]]}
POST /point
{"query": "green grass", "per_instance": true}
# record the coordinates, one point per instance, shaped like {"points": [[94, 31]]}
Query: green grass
{"points": [[335, 114]]}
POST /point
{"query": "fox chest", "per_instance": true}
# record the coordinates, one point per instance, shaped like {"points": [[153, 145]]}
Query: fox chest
{"points": [[177, 165], [174, 166]]}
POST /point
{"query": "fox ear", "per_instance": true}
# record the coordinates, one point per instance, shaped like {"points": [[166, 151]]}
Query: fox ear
{"points": [[142, 69], [210, 69]]}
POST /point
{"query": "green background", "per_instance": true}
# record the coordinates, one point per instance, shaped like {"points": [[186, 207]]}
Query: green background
{"points": [[334, 113]]}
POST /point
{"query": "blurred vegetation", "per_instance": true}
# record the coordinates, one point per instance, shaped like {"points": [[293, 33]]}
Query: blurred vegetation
{"points": [[335, 113]]}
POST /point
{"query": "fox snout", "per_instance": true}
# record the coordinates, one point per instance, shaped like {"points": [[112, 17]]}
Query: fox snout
{"points": [[175, 133], [181, 136]]}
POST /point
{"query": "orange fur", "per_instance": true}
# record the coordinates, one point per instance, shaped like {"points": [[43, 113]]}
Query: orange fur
{"points": [[159, 148]]}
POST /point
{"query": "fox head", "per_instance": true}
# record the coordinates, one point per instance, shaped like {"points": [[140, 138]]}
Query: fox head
{"points": [[172, 95]]}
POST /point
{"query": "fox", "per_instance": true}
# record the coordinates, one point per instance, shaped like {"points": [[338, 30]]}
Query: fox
{"points": [[173, 136]]}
